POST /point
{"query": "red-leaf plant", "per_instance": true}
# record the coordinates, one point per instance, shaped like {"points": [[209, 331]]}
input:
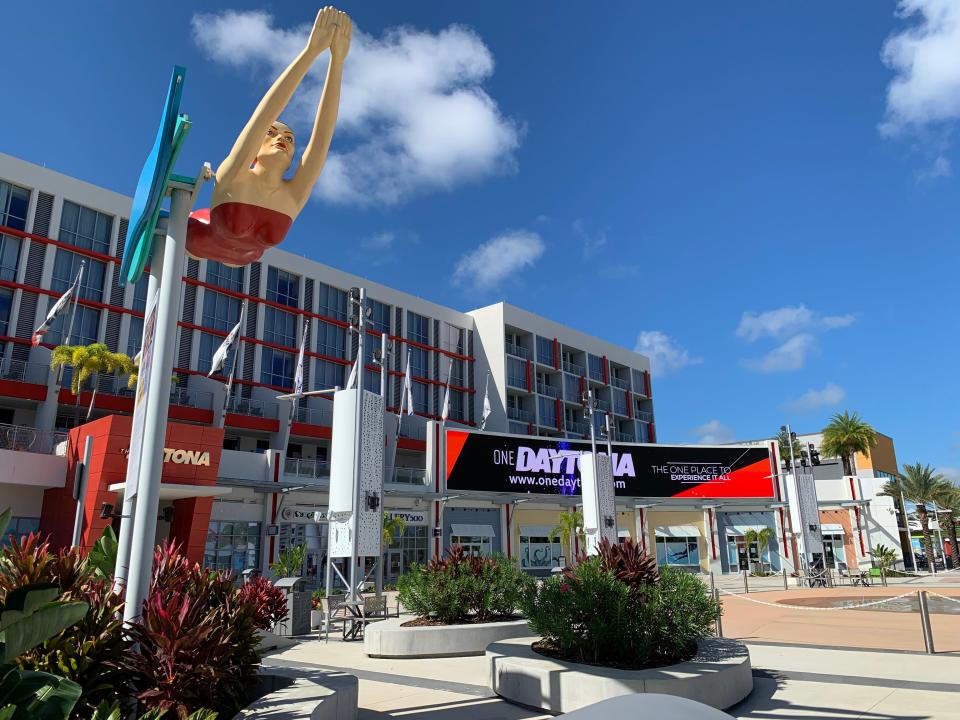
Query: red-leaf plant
{"points": [[269, 601]]}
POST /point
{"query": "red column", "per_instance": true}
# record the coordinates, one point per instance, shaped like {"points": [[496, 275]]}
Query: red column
{"points": [[559, 412], [653, 433], [529, 376], [556, 354], [646, 382], [626, 394], [191, 522], [606, 371]]}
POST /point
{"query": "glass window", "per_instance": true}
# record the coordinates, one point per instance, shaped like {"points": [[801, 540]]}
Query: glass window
{"points": [[420, 395], [545, 350], [457, 405], [6, 300], [379, 318], [140, 293], [472, 544], [85, 330], [283, 287], [596, 367], [516, 428], [20, 526], [66, 266], [208, 346], [371, 381], [9, 256], [458, 375], [452, 338], [135, 337], [220, 312], [14, 201], [548, 411], [232, 546], [276, 368], [419, 362], [331, 340], [678, 551], [230, 278], [85, 228], [333, 302], [516, 372], [280, 327], [327, 375], [412, 547], [539, 552], [418, 328]]}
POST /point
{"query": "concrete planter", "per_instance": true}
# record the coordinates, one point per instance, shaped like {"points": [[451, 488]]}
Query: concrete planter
{"points": [[285, 695], [719, 675], [387, 639]]}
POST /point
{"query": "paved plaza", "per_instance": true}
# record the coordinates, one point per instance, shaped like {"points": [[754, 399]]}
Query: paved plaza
{"points": [[865, 663]]}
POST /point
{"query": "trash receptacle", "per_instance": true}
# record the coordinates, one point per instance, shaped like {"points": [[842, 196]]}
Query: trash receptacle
{"points": [[298, 606]]}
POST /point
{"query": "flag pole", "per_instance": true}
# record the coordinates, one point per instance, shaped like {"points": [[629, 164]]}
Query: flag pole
{"points": [[73, 312], [486, 403], [233, 366]]}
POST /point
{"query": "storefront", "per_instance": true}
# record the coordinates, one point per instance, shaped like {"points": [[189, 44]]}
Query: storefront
{"points": [[749, 540], [679, 540], [476, 529], [409, 548], [839, 539]]}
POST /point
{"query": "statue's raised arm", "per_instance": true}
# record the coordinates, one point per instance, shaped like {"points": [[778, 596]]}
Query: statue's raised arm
{"points": [[253, 206]]}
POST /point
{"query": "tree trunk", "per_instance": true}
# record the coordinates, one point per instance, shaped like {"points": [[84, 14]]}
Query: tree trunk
{"points": [[927, 538], [906, 551], [954, 551], [847, 464], [93, 396]]}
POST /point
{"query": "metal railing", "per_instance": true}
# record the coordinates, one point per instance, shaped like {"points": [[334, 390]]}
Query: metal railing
{"points": [[306, 468], [314, 416], [519, 351], [620, 407], [547, 389], [409, 476], [572, 367], [520, 414], [575, 426], [30, 439], [644, 415], [22, 371], [603, 404], [254, 408], [412, 430], [185, 397], [548, 420], [545, 358], [622, 384], [514, 381], [623, 437]]}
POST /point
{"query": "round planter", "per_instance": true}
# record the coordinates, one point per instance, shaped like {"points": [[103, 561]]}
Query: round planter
{"points": [[719, 675], [387, 639]]}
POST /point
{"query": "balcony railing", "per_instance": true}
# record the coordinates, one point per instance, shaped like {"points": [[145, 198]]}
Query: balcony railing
{"points": [[314, 416], [309, 468], [30, 439], [547, 389], [644, 415], [603, 405], [254, 408], [623, 437], [545, 358], [409, 476], [21, 371], [622, 384], [185, 397], [517, 382], [620, 407], [548, 420], [575, 426], [572, 367], [519, 351], [519, 414], [412, 430]]}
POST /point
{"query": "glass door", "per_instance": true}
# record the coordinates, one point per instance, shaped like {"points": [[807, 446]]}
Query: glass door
{"points": [[394, 564]]}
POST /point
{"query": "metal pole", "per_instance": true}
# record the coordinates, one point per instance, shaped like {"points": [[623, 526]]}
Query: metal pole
{"points": [[936, 516], [746, 584], [906, 525], [925, 622], [81, 484], [358, 425], [383, 394], [716, 596], [785, 579], [130, 503], [158, 406], [713, 584]]}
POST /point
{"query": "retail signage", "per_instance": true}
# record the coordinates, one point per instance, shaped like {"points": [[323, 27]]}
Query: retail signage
{"points": [[140, 397], [493, 462], [303, 514], [410, 517], [186, 457]]}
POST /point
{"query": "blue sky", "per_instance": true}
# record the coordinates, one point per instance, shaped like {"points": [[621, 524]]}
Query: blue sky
{"points": [[762, 195]]}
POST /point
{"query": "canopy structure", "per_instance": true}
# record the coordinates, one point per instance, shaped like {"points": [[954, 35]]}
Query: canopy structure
{"points": [[678, 531], [832, 529], [472, 530]]}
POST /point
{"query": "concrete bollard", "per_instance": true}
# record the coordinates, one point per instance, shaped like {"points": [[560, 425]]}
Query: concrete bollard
{"points": [[784, 578], [746, 585], [925, 622]]}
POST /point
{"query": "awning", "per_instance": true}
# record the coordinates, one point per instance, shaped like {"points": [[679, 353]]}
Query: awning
{"points": [[179, 491], [743, 529], [472, 530], [831, 529], [623, 533], [678, 531], [534, 530]]}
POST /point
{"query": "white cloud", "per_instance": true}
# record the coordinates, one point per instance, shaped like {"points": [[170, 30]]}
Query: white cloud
{"points": [[787, 321], [790, 355], [925, 58], [592, 244], [486, 266], [414, 115], [664, 352], [941, 168], [713, 432], [830, 396], [379, 241]]}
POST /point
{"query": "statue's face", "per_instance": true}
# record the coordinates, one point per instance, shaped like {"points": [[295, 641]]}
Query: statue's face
{"points": [[277, 146]]}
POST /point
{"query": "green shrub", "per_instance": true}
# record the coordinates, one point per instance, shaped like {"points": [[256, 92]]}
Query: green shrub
{"points": [[614, 609], [459, 588]]}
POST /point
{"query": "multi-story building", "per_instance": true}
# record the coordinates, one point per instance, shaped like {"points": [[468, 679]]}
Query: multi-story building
{"points": [[50, 224]]}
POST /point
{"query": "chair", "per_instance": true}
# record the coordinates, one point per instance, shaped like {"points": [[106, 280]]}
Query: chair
{"points": [[375, 608], [844, 573], [335, 611]]}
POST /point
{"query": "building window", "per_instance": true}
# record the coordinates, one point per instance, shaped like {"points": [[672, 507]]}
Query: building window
{"points": [[85, 329], [457, 373], [20, 526], [474, 545], [14, 201], [208, 346], [515, 428], [539, 552], [596, 367], [683, 552], [737, 546], [420, 395], [331, 340], [516, 373], [333, 302], [66, 266], [327, 375], [6, 300], [548, 411], [220, 312], [379, 319], [371, 381], [276, 368], [140, 293], [406, 551], [833, 550], [452, 339], [229, 278], [545, 350], [135, 337], [283, 287], [280, 328], [9, 257], [457, 406], [419, 362], [85, 228], [232, 546], [418, 328]]}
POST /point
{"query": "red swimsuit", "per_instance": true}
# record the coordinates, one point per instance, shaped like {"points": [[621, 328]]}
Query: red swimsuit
{"points": [[235, 233]]}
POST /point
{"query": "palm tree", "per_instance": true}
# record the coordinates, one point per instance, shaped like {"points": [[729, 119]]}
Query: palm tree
{"points": [[89, 361], [894, 488], [922, 485], [783, 444], [845, 436], [951, 503], [760, 538], [392, 527], [885, 557], [570, 526]]}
